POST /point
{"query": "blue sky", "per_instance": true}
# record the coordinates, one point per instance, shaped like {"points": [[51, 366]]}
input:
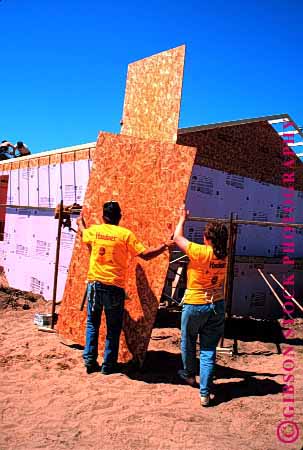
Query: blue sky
{"points": [[64, 63]]}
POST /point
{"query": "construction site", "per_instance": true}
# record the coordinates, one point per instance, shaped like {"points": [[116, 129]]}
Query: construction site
{"points": [[246, 173]]}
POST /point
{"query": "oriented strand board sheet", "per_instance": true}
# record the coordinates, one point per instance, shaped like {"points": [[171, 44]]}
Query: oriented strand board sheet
{"points": [[153, 94], [150, 180], [252, 150]]}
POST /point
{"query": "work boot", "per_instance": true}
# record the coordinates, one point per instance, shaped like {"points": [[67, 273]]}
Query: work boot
{"points": [[105, 370], [204, 399], [190, 380], [93, 367]]}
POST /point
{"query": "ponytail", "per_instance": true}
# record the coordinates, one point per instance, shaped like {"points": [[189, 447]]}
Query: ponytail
{"points": [[217, 234]]}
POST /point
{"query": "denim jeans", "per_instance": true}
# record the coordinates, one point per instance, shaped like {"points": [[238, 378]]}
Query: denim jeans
{"points": [[207, 321], [111, 298]]}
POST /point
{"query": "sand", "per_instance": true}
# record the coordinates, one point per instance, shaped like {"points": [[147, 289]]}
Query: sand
{"points": [[49, 402]]}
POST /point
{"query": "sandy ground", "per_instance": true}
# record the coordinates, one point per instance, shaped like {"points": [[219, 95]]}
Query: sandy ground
{"points": [[49, 402]]}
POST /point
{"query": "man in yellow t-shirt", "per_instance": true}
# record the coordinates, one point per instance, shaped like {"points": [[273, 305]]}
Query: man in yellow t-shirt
{"points": [[203, 308], [111, 246]]}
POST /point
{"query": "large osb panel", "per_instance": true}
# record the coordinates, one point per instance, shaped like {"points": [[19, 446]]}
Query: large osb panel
{"points": [[252, 150], [150, 180], [153, 94]]}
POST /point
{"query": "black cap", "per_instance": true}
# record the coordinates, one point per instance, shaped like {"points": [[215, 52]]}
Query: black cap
{"points": [[19, 144]]}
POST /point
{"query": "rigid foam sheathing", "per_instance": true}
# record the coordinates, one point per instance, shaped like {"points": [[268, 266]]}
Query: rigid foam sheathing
{"points": [[253, 298], [214, 193]]}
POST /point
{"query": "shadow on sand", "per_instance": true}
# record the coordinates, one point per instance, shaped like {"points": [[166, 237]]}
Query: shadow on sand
{"points": [[162, 367]]}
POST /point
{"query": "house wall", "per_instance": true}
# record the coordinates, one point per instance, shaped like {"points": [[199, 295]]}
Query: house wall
{"points": [[213, 193], [252, 150], [28, 249]]}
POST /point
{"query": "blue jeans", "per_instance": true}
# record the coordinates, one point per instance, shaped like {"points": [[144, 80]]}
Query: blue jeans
{"points": [[207, 321], [111, 298]]}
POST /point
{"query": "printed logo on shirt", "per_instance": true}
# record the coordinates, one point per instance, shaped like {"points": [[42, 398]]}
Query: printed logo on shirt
{"points": [[101, 251], [105, 237], [214, 279], [214, 265]]}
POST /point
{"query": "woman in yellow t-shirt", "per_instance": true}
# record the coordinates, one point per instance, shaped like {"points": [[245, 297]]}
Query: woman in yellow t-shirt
{"points": [[203, 308]]}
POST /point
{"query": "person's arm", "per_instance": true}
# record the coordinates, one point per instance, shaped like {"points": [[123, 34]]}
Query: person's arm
{"points": [[13, 153], [179, 238], [154, 252], [81, 224], [81, 227], [9, 144]]}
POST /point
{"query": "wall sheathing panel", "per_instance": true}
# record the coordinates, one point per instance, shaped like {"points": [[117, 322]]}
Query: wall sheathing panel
{"points": [[252, 150], [82, 169], [44, 189], [251, 296], [24, 175], [4, 178], [27, 252], [33, 185], [30, 241], [152, 96], [150, 180], [213, 193], [55, 181], [68, 182], [66, 250], [14, 193]]}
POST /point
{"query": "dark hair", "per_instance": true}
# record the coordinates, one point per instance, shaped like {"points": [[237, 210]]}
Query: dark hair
{"points": [[5, 140], [112, 212], [19, 144], [217, 234]]}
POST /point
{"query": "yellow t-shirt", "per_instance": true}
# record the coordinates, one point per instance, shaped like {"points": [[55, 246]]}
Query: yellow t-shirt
{"points": [[205, 275], [110, 248]]}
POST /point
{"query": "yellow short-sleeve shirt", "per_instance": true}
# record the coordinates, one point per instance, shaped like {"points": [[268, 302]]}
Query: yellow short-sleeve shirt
{"points": [[111, 246], [205, 275]]}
